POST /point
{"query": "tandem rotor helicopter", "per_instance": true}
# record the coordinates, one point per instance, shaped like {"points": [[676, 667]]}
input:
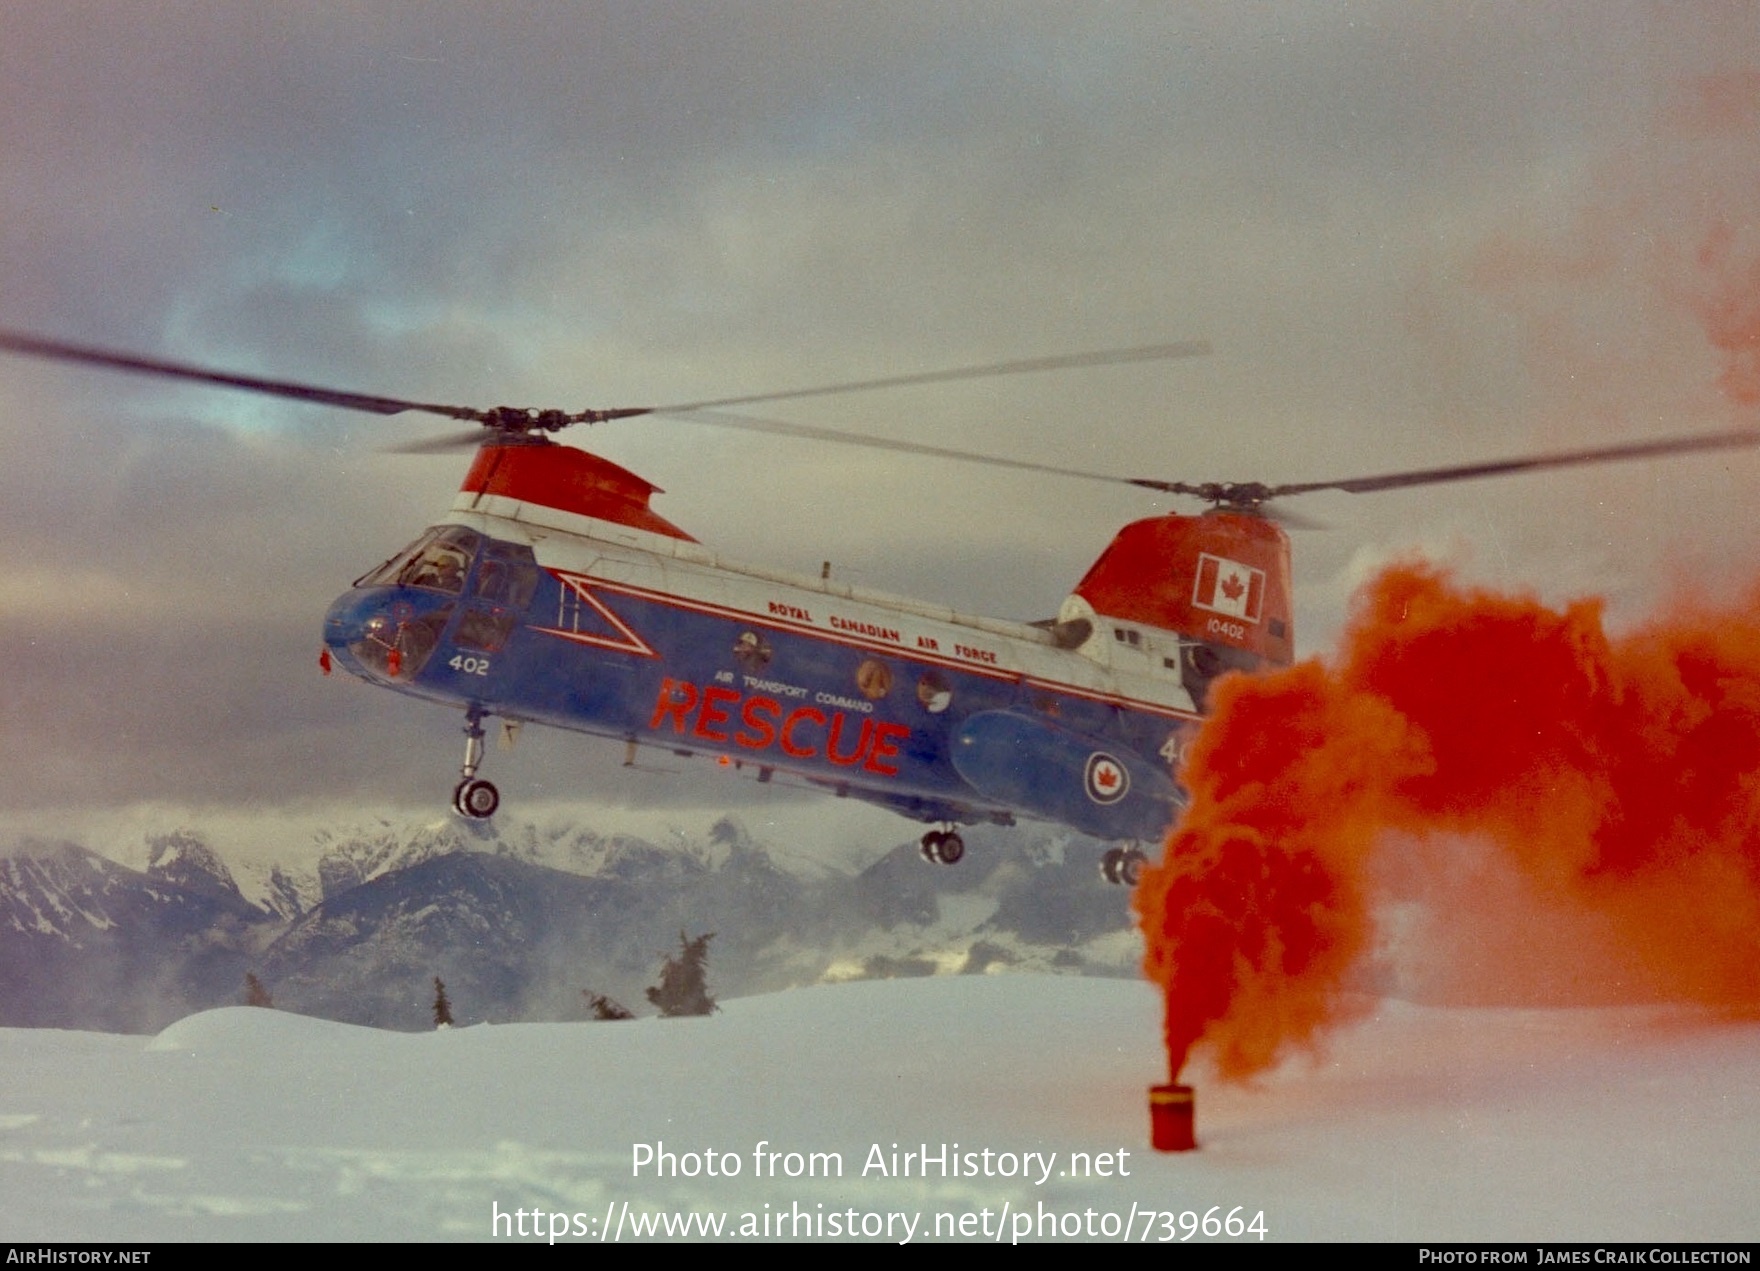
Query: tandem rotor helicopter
{"points": [[552, 593]]}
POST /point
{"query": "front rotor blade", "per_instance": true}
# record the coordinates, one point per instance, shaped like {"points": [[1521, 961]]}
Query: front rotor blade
{"points": [[445, 444], [84, 355], [1292, 520], [1733, 440], [779, 428], [1104, 357]]}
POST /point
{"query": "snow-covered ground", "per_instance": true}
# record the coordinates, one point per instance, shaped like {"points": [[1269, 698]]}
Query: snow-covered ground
{"points": [[1421, 1123]]}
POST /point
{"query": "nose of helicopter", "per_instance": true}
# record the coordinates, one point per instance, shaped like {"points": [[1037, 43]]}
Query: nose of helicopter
{"points": [[345, 625], [383, 633]]}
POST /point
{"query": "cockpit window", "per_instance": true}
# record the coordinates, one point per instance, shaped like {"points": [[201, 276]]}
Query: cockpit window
{"points": [[438, 561]]}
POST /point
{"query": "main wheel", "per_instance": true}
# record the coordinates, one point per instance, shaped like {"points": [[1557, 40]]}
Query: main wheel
{"points": [[476, 799], [953, 847], [1131, 864], [1122, 866], [930, 846]]}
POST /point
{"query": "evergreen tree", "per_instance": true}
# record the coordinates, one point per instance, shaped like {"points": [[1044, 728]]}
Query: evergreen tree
{"points": [[606, 1007], [442, 1005], [254, 992], [684, 980]]}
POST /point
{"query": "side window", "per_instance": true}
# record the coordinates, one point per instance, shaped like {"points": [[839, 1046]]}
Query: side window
{"points": [[485, 629], [506, 578], [507, 575]]}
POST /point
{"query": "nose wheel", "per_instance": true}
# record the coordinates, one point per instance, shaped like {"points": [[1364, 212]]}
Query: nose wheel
{"points": [[474, 798], [942, 847], [1123, 865]]}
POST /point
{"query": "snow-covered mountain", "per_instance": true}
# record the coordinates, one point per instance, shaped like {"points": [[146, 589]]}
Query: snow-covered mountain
{"points": [[520, 920], [88, 943]]}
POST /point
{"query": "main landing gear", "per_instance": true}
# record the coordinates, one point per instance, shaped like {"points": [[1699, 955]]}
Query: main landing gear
{"points": [[1123, 865], [472, 798], [942, 847]]}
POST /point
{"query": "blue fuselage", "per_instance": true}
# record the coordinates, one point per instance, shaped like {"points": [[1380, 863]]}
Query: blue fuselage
{"points": [[938, 717]]}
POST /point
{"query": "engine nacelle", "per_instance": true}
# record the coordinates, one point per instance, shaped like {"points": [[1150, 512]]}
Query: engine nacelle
{"points": [[1099, 787]]}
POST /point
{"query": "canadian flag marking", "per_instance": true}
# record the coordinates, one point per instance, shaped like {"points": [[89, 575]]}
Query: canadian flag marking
{"points": [[1229, 587]]}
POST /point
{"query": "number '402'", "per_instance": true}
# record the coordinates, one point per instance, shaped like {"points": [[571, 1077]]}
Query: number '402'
{"points": [[469, 666]]}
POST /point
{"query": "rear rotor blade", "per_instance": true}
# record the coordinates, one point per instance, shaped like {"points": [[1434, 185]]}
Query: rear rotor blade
{"points": [[1733, 440]]}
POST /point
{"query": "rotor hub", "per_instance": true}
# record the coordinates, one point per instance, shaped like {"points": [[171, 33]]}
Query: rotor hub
{"points": [[525, 419], [1236, 496]]}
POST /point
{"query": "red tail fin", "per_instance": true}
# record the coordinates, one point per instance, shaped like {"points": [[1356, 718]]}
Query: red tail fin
{"points": [[1218, 579]]}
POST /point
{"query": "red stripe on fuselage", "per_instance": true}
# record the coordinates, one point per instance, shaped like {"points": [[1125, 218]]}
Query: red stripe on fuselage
{"points": [[775, 623]]}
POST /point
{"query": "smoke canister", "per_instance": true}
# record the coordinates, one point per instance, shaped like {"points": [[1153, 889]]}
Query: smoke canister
{"points": [[1170, 1118]]}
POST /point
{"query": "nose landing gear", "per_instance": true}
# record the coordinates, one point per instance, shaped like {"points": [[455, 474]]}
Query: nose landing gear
{"points": [[474, 799], [942, 847]]}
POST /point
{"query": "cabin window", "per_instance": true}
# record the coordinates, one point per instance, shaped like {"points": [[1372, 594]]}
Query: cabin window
{"points": [[934, 693], [485, 629], [437, 561], [752, 651], [874, 679], [502, 587], [507, 575]]}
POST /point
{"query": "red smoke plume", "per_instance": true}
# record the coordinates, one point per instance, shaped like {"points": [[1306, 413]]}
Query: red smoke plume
{"points": [[1611, 784], [1653, 280], [1618, 777]]}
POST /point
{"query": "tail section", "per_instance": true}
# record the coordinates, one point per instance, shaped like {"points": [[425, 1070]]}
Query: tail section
{"points": [[1211, 590]]}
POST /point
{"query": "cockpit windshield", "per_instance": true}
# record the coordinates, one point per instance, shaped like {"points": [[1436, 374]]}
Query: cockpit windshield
{"points": [[438, 561], [486, 583]]}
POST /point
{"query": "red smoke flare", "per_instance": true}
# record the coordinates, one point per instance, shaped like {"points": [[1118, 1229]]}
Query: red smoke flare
{"points": [[1618, 776]]}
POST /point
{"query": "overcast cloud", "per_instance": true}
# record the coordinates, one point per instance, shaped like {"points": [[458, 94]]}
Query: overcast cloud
{"points": [[1414, 234]]}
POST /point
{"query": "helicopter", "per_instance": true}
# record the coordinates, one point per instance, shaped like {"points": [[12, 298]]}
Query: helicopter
{"points": [[552, 593]]}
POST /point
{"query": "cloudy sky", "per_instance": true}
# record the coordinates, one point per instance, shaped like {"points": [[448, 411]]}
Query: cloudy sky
{"points": [[1414, 235]]}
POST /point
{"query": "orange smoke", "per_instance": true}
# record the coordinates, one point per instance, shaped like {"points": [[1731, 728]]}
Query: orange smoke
{"points": [[1650, 289], [1729, 307], [1619, 778]]}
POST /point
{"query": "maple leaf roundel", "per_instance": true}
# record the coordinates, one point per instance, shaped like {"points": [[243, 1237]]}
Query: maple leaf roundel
{"points": [[1106, 780]]}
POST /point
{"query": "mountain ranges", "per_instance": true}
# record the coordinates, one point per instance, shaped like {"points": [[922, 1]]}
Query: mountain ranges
{"points": [[521, 923]]}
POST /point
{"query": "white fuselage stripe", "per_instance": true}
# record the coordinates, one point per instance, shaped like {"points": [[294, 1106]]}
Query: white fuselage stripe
{"points": [[780, 603]]}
